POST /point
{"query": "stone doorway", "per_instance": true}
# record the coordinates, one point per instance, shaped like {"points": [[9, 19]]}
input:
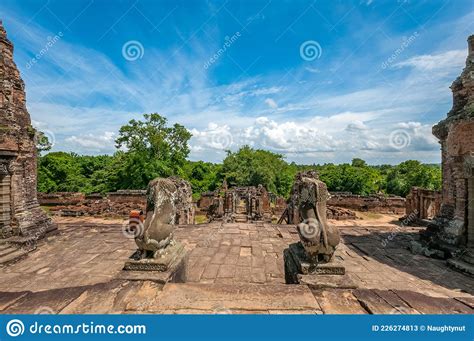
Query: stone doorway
{"points": [[241, 210], [470, 212], [5, 202]]}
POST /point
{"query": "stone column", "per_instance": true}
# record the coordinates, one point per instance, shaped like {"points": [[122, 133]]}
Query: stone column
{"points": [[469, 168], [466, 262], [5, 199]]}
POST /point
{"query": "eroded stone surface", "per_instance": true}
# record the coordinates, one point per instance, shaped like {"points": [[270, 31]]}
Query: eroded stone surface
{"points": [[452, 232], [226, 298], [20, 214]]}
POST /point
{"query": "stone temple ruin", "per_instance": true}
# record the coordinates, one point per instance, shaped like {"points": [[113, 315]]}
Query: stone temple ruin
{"points": [[240, 261], [452, 232], [238, 204], [422, 205], [22, 221]]}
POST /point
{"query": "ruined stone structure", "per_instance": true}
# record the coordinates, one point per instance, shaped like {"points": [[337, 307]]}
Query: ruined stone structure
{"points": [[422, 204], [136, 196], [369, 203], [206, 200], [21, 217], [453, 231], [279, 206], [61, 198], [113, 204], [241, 204]]}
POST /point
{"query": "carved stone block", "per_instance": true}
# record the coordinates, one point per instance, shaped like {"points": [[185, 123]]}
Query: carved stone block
{"points": [[169, 265]]}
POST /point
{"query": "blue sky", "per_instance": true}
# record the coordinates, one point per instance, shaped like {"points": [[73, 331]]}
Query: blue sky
{"points": [[317, 81]]}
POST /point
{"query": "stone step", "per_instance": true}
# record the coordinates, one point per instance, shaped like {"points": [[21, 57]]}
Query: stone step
{"points": [[240, 218], [462, 266], [22, 240], [224, 299], [13, 257], [4, 246], [6, 251]]}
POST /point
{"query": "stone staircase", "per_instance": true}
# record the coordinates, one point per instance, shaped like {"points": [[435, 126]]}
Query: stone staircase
{"points": [[11, 253], [14, 249], [240, 215]]}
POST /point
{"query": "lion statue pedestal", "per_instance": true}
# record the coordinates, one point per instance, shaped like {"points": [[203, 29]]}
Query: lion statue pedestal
{"points": [[159, 256], [311, 260]]}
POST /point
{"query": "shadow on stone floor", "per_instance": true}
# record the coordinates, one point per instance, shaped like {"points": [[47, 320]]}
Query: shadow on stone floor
{"points": [[391, 248]]}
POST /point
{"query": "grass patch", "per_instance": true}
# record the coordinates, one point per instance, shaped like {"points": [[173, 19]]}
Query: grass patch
{"points": [[200, 219], [369, 215]]}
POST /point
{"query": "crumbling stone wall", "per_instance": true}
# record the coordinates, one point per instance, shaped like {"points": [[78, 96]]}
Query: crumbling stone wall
{"points": [[60, 198], [279, 206], [113, 204], [116, 204], [20, 213], [128, 196], [97, 207], [206, 200], [371, 203], [423, 203], [184, 202]]}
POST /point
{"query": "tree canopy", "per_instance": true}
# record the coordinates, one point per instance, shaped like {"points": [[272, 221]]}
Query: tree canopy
{"points": [[150, 148]]}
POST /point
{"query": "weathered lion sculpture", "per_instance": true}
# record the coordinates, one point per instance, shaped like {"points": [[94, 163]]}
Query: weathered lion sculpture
{"points": [[317, 237], [169, 202]]}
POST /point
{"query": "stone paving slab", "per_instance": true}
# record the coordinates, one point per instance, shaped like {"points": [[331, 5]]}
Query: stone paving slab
{"points": [[226, 298], [79, 271], [45, 302]]}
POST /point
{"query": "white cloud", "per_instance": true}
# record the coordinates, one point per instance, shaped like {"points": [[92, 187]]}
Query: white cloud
{"points": [[310, 138], [82, 96], [446, 60], [271, 103], [98, 143]]}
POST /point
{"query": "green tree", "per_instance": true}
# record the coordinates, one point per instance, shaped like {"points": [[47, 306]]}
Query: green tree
{"points": [[358, 163], [401, 178], [152, 149], [203, 176], [59, 172], [250, 167]]}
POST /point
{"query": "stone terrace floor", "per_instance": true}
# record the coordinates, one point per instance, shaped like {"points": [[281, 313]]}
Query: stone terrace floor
{"points": [[232, 268]]}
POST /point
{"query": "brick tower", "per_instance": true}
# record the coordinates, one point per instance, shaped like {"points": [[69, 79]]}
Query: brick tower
{"points": [[22, 221]]}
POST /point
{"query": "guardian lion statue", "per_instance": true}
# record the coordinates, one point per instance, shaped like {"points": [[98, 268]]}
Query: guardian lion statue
{"points": [[309, 196], [169, 202]]}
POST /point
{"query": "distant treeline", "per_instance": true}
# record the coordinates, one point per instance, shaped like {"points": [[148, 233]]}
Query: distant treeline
{"points": [[155, 150]]}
